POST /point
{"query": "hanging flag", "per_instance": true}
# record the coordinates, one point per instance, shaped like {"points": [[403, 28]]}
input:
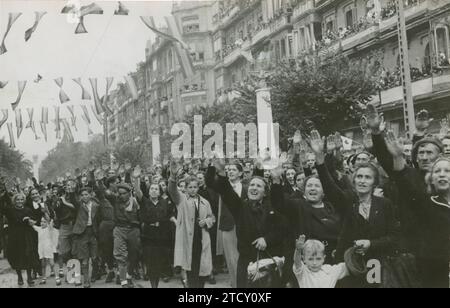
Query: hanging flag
{"points": [[44, 130], [86, 114], [38, 78], [122, 10], [57, 119], [21, 86], [63, 98], [19, 123], [347, 143], [33, 128], [3, 84], [98, 104], [72, 116], [38, 17], [44, 115], [67, 130], [4, 117], [12, 144], [97, 116], [129, 80], [30, 112], [150, 23], [105, 99], [182, 50], [12, 17], [84, 93]]}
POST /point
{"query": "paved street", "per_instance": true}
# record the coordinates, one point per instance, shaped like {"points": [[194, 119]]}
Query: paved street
{"points": [[9, 280]]}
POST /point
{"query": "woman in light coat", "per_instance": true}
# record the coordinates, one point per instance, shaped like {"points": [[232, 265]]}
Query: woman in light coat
{"points": [[192, 239]]}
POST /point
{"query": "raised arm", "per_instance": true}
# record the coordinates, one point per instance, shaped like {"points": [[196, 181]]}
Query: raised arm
{"points": [[136, 181], [173, 189]]}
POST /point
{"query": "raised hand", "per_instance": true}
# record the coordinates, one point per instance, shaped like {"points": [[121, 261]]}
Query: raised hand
{"points": [[300, 242], [175, 167], [137, 172], [99, 174], [316, 142], [367, 140], [128, 166], [297, 137], [444, 127], [277, 174], [331, 144], [338, 141], [374, 120], [423, 122], [394, 145]]}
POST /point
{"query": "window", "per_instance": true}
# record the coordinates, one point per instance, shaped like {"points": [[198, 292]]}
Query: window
{"points": [[201, 56], [349, 18], [442, 45]]}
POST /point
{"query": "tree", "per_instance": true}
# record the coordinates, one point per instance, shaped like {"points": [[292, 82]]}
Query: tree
{"points": [[66, 157], [132, 152], [328, 94], [13, 163]]}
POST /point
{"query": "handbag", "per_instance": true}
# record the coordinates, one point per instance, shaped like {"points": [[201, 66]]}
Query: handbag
{"points": [[399, 271], [265, 273]]}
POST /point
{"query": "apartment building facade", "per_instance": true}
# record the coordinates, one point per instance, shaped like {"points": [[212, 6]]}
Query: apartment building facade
{"points": [[231, 39]]}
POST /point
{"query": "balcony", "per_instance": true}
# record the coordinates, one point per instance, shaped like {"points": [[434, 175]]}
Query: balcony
{"points": [[422, 88], [302, 9], [413, 8], [262, 34], [236, 52], [279, 23]]}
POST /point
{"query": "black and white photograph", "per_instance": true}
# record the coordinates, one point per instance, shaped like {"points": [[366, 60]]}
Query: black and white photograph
{"points": [[224, 144]]}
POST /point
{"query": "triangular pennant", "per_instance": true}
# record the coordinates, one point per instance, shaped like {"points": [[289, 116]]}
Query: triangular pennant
{"points": [[67, 131], [21, 85], [86, 114], [19, 123], [12, 143], [30, 112], [63, 98], [150, 23], [57, 119], [84, 93], [38, 17], [181, 48], [12, 17], [72, 116], [105, 99], [98, 105], [4, 117], [97, 116], [3, 84], [44, 130], [33, 128], [121, 10], [44, 115], [92, 8], [90, 132]]}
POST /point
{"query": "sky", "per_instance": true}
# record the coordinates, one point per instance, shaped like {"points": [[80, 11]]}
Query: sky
{"points": [[113, 46]]}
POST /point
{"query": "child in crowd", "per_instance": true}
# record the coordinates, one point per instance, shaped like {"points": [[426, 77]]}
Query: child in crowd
{"points": [[309, 268], [46, 247]]}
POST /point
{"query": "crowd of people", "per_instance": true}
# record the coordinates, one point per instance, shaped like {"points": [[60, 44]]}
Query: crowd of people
{"points": [[315, 220]]}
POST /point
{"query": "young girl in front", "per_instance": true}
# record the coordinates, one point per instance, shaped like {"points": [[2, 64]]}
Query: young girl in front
{"points": [[46, 247]]}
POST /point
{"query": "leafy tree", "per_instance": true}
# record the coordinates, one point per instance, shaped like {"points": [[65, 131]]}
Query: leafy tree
{"points": [[13, 163]]}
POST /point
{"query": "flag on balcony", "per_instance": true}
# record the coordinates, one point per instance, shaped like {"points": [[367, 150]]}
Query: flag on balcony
{"points": [[3, 84], [67, 131], [97, 116], [19, 122], [182, 50], [30, 31], [4, 117], [86, 114], [63, 98], [21, 85], [129, 80], [73, 117], [84, 93], [12, 17], [12, 143], [98, 104], [92, 8], [121, 10], [30, 112]]}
